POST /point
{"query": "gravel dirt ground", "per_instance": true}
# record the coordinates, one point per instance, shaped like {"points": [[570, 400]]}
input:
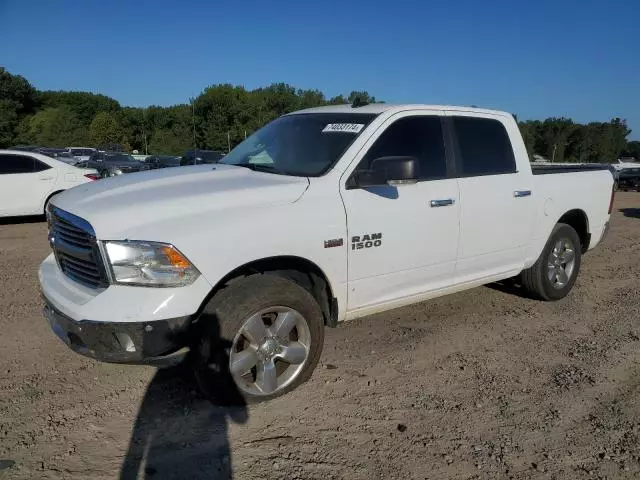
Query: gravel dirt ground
{"points": [[482, 384]]}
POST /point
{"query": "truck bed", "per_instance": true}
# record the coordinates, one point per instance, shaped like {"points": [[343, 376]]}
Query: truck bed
{"points": [[545, 169]]}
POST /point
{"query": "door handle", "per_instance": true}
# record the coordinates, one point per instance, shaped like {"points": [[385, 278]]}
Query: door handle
{"points": [[46, 178], [522, 193], [445, 202]]}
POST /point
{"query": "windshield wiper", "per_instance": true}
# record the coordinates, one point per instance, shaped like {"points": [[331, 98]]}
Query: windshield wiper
{"points": [[260, 167]]}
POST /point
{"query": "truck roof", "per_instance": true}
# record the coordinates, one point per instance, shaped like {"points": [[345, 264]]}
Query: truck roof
{"points": [[377, 108]]}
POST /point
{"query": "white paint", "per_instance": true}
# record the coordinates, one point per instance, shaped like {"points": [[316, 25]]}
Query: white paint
{"points": [[26, 193], [222, 217]]}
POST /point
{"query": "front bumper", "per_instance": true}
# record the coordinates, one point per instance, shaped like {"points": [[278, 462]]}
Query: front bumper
{"points": [[161, 342], [121, 324]]}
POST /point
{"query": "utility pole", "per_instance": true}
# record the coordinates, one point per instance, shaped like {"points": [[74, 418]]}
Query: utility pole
{"points": [[553, 157], [228, 142]]}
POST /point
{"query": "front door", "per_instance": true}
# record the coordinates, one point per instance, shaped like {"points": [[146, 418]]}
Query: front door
{"points": [[403, 239]]}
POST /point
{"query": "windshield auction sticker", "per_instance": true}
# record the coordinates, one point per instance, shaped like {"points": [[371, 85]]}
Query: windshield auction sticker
{"points": [[344, 127]]}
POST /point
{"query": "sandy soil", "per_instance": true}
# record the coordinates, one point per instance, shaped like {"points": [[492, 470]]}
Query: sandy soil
{"points": [[482, 384]]}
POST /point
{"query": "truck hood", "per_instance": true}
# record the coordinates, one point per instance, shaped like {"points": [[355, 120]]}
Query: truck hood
{"points": [[121, 207]]}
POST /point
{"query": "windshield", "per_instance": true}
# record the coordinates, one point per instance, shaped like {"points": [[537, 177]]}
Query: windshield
{"points": [[301, 145]]}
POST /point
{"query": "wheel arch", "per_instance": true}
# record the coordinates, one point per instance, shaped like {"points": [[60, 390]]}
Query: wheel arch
{"points": [[298, 269], [579, 221], [49, 197]]}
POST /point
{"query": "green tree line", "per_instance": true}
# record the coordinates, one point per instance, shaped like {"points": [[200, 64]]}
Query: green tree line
{"points": [[222, 115]]}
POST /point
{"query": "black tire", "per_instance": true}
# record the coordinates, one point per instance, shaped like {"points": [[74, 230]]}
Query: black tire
{"points": [[535, 279], [222, 319]]}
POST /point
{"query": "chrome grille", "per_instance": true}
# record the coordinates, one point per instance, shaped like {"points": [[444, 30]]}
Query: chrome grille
{"points": [[76, 250]]}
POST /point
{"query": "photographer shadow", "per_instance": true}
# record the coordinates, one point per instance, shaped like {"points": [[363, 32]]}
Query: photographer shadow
{"points": [[178, 434]]}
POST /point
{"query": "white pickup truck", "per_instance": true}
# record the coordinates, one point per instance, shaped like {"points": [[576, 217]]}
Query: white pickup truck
{"points": [[321, 216]]}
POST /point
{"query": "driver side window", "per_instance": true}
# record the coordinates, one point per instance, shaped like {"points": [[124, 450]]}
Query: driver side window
{"points": [[419, 137]]}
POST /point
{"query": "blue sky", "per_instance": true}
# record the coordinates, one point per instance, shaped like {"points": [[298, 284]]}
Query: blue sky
{"points": [[578, 59]]}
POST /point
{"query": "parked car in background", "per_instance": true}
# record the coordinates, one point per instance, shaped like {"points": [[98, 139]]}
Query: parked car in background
{"points": [[65, 157], [50, 152], [81, 153], [25, 148], [111, 164], [162, 161], [198, 157], [59, 154], [28, 180], [629, 179], [383, 206]]}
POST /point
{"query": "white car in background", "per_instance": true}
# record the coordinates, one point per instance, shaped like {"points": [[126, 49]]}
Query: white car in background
{"points": [[81, 153], [28, 180]]}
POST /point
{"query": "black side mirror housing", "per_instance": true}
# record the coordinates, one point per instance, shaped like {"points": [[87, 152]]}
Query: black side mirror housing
{"points": [[396, 170]]}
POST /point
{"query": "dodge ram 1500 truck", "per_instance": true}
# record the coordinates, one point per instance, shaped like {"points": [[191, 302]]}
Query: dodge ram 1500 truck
{"points": [[323, 215]]}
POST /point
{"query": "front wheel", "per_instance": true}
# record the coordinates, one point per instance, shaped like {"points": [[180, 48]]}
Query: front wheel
{"points": [[553, 275], [260, 337]]}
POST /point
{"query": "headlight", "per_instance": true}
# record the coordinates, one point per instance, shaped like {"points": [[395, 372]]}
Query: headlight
{"points": [[150, 264]]}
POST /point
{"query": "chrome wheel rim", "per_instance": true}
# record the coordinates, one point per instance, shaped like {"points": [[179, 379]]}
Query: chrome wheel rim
{"points": [[561, 263], [270, 350]]}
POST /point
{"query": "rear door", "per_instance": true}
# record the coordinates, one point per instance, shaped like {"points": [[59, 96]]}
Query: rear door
{"points": [[496, 200], [402, 238], [25, 183]]}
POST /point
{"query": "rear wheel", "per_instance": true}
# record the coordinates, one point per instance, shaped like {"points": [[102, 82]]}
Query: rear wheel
{"points": [[260, 338], [553, 275]]}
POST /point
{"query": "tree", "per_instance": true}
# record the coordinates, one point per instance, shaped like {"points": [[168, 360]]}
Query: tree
{"points": [[363, 95], [17, 99], [53, 127], [338, 100], [310, 99], [84, 104], [9, 121], [530, 136], [173, 130], [222, 115], [633, 150], [106, 130], [133, 124]]}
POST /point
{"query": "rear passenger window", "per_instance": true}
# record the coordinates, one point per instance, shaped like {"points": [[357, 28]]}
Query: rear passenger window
{"points": [[483, 146], [11, 164], [419, 137], [39, 166]]}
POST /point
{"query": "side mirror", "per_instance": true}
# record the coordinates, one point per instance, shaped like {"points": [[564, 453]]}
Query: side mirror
{"points": [[387, 171]]}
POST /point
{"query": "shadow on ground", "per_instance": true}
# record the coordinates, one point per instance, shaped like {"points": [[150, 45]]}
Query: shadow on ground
{"points": [[22, 220], [178, 434], [630, 212], [511, 286]]}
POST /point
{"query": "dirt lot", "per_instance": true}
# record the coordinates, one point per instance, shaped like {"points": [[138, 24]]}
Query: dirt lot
{"points": [[483, 384]]}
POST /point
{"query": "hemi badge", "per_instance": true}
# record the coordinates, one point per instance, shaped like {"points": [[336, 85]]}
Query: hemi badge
{"points": [[336, 242]]}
